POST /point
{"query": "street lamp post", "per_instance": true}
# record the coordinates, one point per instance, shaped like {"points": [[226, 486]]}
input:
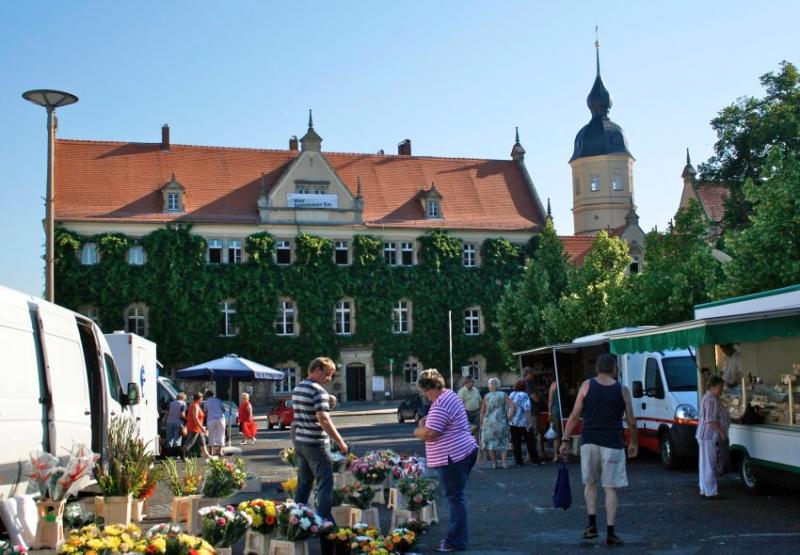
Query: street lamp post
{"points": [[50, 100]]}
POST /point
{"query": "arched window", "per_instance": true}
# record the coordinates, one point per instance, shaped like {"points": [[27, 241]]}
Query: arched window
{"points": [[136, 319]]}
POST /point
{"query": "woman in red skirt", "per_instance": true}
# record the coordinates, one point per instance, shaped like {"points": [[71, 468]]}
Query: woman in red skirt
{"points": [[247, 422]]}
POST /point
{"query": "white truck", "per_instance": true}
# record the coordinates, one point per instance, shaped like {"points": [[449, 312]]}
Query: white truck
{"points": [[663, 386], [60, 384], [136, 361]]}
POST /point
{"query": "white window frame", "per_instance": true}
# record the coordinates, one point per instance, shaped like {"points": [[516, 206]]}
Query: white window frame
{"points": [[616, 182], [434, 210], [90, 255], [173, 201], [283, 245], [136, 319], [411, 372], [344, 317], [341, 246], [215, 244], [234, 251], [303, 190], [401, 317], [285, 318], [228, 310], [595, 184], [474, 367], [635, 261], [470, 255], [406, 247], [136, 255], [290, 379], [92, 313], [472, 321], [390, 253]]}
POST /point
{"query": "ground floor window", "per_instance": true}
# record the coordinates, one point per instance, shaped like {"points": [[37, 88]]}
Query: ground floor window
{"points": [[411, 370]]}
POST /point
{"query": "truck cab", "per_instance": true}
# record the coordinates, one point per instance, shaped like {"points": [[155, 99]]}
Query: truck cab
{"points": [[663, 388]]}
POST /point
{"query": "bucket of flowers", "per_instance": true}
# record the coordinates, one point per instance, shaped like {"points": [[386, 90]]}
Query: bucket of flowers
{"points": [[296, 523], [114, 538], [400, 540], [169, 539], [56, 483], [264, 515], [185, 487], [369, 470], [415, 525], [340, 538], [418, 492], [223, 526], [223, 478], [288, 456], [144, 491], [363, 536]]}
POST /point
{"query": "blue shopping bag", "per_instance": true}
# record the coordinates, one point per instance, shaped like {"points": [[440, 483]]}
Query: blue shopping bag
{"points": [[562, 494]]}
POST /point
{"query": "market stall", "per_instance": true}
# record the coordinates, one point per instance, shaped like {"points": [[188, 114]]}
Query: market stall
{"points": [[761, 334]]}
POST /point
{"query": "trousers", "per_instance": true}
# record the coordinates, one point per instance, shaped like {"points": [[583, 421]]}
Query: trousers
{"points": [[518, 434], [314, 465], [453, 478], [708, 466]]}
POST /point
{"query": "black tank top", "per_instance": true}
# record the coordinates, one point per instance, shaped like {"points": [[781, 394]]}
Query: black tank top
{"points": [[603, 408]]}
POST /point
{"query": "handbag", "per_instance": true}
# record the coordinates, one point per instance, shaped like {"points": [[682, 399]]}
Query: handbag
{"points": [[550, 434], [184, 431], [562, 494]]}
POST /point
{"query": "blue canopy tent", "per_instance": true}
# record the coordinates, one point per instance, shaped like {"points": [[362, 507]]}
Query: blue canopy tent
{"points": [[231, 367]]}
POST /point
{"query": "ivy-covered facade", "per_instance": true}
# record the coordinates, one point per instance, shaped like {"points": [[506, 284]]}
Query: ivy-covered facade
{"points": [[181, 294]]}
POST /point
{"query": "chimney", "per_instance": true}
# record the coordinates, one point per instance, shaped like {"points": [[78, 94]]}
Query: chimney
{"points": [[404, 148], [293, 145], [165, 137]]}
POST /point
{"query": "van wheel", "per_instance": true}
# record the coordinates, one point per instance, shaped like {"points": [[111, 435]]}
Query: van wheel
{"points": [[749, 479], [667, 450], [270, 425], [282, 425], [400, 418]]}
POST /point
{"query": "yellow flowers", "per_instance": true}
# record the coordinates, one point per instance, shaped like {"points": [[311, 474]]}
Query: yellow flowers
{"points": [[290, 485]]}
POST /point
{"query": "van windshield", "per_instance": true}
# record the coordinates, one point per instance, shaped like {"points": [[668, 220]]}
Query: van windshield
{"points": [[681, 373], [170, 386]]}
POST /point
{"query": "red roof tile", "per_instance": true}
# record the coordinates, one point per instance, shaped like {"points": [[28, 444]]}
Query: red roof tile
{"points": [[114, 181], [577, 246], [713, 196]]}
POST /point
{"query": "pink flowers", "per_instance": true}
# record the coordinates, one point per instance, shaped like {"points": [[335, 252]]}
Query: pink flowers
{"points": [[294, 520]]}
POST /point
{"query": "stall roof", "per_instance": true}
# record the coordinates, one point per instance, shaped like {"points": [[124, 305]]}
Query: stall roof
{"points": [[756, 326], [561, 347]]}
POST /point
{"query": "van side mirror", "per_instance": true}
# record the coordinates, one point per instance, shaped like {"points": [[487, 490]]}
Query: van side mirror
{"points": [[659, 391], [134, 395], [638, 391]]}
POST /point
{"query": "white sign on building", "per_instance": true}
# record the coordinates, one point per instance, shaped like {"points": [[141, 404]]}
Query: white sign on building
{"points": [[308, 200]]}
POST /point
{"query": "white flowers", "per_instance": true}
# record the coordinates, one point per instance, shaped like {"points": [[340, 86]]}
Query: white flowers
{"points": [[305, 523]]}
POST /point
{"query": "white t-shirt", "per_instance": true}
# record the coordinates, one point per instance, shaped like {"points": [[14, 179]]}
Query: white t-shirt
{"points": [[731, 369]]}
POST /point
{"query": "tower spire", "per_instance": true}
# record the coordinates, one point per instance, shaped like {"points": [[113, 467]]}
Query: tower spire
{"points": [[516, 134], [549, 212], [517, 151], [688, 160], [597, 48], [688, 170], [310, 120], [311, 140]]}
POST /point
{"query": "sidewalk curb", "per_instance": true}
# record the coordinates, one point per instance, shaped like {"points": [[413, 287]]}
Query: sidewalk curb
{"points": [[345, 413]]}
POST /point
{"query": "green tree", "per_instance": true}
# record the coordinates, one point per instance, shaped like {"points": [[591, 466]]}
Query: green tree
{"points": [[519, 318], [767, 254], [680, 272], [591, 294], [746, 131]]}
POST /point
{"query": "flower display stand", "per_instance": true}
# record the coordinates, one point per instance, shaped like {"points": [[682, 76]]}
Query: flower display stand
{"points": [[182, 509], [427, 514], [118, 509], [256, 543], [139, 510], [285, 547], [200, 502], [50, 527], [367, 516], [395, 500], [341, 515]]}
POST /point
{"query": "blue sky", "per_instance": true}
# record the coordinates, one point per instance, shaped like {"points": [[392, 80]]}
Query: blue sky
{"points": [[454, 77]]}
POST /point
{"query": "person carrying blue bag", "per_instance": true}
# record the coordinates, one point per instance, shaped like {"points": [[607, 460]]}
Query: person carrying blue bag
{"points": [[603, 402]]}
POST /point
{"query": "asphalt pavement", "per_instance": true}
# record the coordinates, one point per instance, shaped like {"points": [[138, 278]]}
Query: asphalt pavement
{"points": [[510, 510]]}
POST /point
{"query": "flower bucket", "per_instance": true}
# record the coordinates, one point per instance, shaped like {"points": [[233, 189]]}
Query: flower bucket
{"points": [[400, 516], [138, 510], [182, 509], [256, 543], [100, 506], [50, 526], [118, 509], [285, 547], [341, 515], [367, 516], [198, 503], [379, 497]]}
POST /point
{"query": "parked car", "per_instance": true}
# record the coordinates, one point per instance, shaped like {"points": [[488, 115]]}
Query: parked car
{"points": [[281, 414], [414, 407]]}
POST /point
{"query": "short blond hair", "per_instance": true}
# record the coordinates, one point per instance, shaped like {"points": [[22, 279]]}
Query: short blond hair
{"points": [[430, 379], [323, 363]]}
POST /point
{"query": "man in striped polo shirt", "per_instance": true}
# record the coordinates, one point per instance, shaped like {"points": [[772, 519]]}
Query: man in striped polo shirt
{"points": [[311, 429]]}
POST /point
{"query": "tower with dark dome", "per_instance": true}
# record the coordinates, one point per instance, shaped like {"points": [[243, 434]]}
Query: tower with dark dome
{"points": [[602, 167]]}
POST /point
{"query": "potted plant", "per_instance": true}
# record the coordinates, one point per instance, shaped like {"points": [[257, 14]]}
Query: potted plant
{"points": [[127, 462], [296, 523], [105, 540], [144, 491], [185, 487], [339, 538], [169, 539], [400, 540], [264, 516], [56, 484], [223, 526], [369, 470]]}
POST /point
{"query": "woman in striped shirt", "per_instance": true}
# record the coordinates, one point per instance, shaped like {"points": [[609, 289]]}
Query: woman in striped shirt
{"points": [[450, 449], [712, 428]]}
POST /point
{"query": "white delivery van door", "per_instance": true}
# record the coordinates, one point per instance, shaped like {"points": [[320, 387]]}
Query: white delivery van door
{"points": [[71, 415], [657, 407]]}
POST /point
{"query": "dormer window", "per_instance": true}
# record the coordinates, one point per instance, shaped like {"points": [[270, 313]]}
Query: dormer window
{"points": [[433, 209], [431, 203], [173, 193]]}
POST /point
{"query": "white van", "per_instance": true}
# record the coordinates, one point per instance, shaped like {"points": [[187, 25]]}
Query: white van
{"points": [[136, 361], [663, 387], [60, 383]]}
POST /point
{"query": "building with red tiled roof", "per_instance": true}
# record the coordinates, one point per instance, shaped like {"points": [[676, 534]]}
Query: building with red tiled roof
{"points": [[710, 196]]}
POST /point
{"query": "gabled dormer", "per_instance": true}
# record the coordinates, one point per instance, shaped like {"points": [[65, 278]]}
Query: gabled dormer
{"points": [[431, 200], [174, 196], [310, 190]]}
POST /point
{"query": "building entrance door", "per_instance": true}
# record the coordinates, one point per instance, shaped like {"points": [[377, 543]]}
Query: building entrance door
{"points": [[356, 376]]}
